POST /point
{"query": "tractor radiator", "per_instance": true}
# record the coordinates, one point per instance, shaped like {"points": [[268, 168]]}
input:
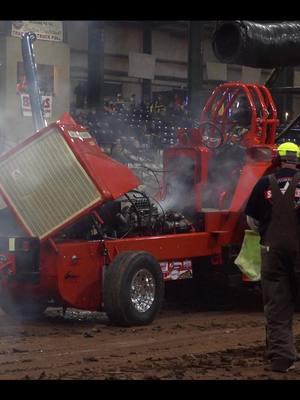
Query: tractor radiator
{"points": [[46, 184]]}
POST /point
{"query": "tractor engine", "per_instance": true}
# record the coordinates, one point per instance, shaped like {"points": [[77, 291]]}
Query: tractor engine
{"points": [[135, 214], [142, 217]]}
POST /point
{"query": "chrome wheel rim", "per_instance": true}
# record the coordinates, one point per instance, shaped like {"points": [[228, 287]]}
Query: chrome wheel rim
{"points": [[142, 292]]}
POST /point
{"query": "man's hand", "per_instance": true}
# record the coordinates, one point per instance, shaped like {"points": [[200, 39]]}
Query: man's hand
{"points": [[252, 223]]}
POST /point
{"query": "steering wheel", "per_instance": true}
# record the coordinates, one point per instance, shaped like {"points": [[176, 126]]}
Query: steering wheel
{"points": [[208, 141]]}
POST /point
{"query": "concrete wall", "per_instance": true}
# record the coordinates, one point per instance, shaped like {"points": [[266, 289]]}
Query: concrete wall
{"points": [[16, 126], [169, 47], [171, 69], [170, 51], [119, 41], [77, 34], [122, 40]]}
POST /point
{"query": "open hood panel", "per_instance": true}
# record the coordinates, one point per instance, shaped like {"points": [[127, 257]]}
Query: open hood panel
{"points": [[58, 175]]}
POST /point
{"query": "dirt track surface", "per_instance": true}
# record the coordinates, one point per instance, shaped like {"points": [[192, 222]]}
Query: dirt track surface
{"points": [[183, 343]]}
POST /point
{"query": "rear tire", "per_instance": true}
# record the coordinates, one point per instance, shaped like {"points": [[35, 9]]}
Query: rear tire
{"points": [[133, 289], [21, 309]]}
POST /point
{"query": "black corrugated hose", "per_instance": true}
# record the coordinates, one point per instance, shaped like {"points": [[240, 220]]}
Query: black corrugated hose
{"points": [[258, 45]]}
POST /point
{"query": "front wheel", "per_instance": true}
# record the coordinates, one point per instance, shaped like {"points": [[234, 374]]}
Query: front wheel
{"points": [[133, 289]]}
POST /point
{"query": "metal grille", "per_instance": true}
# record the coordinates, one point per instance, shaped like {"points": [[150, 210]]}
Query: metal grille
{"points": [[46, 184]]}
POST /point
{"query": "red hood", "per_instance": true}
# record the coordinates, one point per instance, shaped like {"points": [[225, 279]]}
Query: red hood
{"points": [[58, 175], [111, 177]]}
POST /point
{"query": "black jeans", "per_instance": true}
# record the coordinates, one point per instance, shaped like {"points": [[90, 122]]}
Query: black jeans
{"points": [[279, 279]]}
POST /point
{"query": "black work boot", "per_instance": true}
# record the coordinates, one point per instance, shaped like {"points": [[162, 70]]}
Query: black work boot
{"points": [[282, 365]]}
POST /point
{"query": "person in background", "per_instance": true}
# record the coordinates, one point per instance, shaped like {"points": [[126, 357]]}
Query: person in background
{"points": [[157, 106], [178, 103], [119, 105], [273, 210]]}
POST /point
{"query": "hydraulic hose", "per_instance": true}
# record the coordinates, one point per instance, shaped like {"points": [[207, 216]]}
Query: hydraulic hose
{"points": [[258, 45]]}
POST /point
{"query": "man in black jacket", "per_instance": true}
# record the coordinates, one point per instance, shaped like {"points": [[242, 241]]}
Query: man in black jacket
{"points": [[274, 210]]}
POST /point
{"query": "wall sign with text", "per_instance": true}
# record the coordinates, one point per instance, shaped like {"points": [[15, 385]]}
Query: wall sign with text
{"points": [[26, 106], [44, 30]]}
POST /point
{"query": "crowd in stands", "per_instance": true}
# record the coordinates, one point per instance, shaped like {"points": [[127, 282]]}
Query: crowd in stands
{"points": [[136, 127]]}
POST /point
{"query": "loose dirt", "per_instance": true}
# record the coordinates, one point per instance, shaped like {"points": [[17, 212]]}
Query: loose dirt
{"points": [[185, 342]]}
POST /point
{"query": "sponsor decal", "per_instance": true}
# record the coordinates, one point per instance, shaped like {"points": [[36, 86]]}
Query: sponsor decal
{"points": [[187, 264], [80, 135], [186, 275], [177, 265], [174, 274], [164, 266], [174, 270]]}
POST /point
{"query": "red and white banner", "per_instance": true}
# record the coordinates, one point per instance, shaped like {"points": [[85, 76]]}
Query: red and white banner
{"points": [[26, 106]]}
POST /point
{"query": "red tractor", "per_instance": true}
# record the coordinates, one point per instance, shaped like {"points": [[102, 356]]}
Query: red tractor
{"points": [[77, 232]]}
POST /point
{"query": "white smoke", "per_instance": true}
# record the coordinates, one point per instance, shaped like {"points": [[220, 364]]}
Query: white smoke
{"points": [[180, 184]]}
